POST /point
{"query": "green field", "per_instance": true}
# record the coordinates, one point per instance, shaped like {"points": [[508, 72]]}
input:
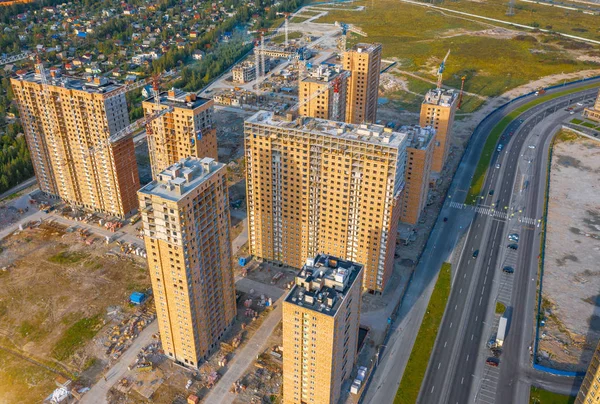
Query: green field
{"points": [[490, 143], [419, 38], [291, 35], [539, 396], [414, 373], [536, 15], [75, 336]]}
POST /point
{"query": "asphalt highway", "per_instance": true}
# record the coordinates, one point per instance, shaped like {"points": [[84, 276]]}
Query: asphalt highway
{"points": [[463, 333], [441, 247]]}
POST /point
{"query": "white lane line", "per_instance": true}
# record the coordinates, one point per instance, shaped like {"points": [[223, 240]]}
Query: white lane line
{"points": [[460, 291], [482, 289], [450, 325], [480, 300], [455, 307], [432, 389], [462, 380], [467, 358], [439, 365], [445, 343], [472, 335]]}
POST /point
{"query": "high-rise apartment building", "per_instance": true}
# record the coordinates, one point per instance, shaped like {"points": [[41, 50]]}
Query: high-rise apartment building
{"points": [[69, 125], [589, 392], [322, 93], [363, 62], [437, 110], [321, 316], [187, 131], [185, 214], [594, 112], [419, 154], [317, 186]]}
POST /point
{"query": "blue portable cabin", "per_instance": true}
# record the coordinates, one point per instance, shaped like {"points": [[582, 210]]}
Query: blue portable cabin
{"points": [[137, 298]]}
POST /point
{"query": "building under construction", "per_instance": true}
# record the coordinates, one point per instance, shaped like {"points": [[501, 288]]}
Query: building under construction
{"points": [[363, 61], [186, 131], [315, 186], [322, 94], [594, 112], [72, 129]]}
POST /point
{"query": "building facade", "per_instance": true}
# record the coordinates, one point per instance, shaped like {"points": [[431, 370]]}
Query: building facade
{"points": [[322, 186], [185, 214], [594, 112], [437, 110], [363, 62], [187, 131], [321, 316], [589, 392], [69, 124], [419, 155], [322, 94], [244, 72]]}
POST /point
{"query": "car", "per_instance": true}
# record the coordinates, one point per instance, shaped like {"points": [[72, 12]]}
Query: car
{"points": [[509, 270], [531, 146], [492, 361], [580, 104], [513, 246], [491, 192], [500, 146], [475, 253], [445, 219], [514, 237], [497, 165], [571, 113]]}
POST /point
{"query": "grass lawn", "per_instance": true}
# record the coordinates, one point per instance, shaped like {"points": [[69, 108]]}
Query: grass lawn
{"points": [[539, 396], [76, 335], [490, 144], [588, 125], [298, 19], [576, 121], [500, 308], [414, 373], [291, 35], [419, 39], [67, 257]]}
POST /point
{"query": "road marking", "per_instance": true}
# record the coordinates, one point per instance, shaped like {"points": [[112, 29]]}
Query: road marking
{"points": [[472, 335], [439, 365], [460, 291], [450, 325], [432, 389], [482, 289], [476, 317], [480, 300], [467, 358], [465, 275], [455, 307], [462, 380], [485, 279], [445, 343]]}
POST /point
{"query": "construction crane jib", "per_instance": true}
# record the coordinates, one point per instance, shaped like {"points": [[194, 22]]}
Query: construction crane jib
{"points": [[441, 70], [348, 28]]}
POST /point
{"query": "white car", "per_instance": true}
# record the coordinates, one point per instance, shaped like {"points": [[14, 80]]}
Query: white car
{"points": [[497, 165], [532, 146]]}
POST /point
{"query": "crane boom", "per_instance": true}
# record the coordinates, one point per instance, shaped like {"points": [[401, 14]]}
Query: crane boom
{"points": [[441, 70], [14, 58], [132, 128], [348, 28]]}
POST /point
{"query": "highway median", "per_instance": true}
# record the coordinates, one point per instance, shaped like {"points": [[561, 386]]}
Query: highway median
{"points": [[495, 134], [413, 376]]}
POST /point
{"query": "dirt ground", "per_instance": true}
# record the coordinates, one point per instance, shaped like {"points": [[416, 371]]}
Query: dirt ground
{"points": [[571, 282], [264, 379], [54, 294], [230, 134]]}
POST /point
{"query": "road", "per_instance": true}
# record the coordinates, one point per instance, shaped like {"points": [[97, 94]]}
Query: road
{"points": [[467, 321], [97, 394], [19, 187], [440, 248]]}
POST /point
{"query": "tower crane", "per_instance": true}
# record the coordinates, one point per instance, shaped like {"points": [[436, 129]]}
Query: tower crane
{"points": [[10, 59], [441, 70], [345, 29], [462, 88]]}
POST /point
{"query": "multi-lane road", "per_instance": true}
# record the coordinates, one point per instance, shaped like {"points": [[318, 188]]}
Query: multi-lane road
{"points": [[441, 247], [457, 366]]}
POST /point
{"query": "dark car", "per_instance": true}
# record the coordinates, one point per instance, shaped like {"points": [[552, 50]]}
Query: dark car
{"points": [[475, 253], [513, 246], [445, 219], [492, 361], [508, 270], [491, 192]]}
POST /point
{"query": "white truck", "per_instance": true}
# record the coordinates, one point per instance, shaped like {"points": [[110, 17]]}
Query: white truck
{"points": [[501, 334]]}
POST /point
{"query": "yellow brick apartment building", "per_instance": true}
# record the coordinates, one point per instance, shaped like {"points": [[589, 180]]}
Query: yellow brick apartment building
{"points": [[594, 112], [187, 131], [419, 155], [437, 110], [317, 186], [317, 93], [68, 124], [321, 315], [363, 61], [186, 225]]}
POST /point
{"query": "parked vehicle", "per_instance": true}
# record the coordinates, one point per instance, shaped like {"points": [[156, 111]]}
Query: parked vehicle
{"points": [[445, 219], [500, 147], [508, 270], [491, 192], [475, 253], [514, 237], [513, 246], [501, 334], [492, 361], [497, 165]]}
